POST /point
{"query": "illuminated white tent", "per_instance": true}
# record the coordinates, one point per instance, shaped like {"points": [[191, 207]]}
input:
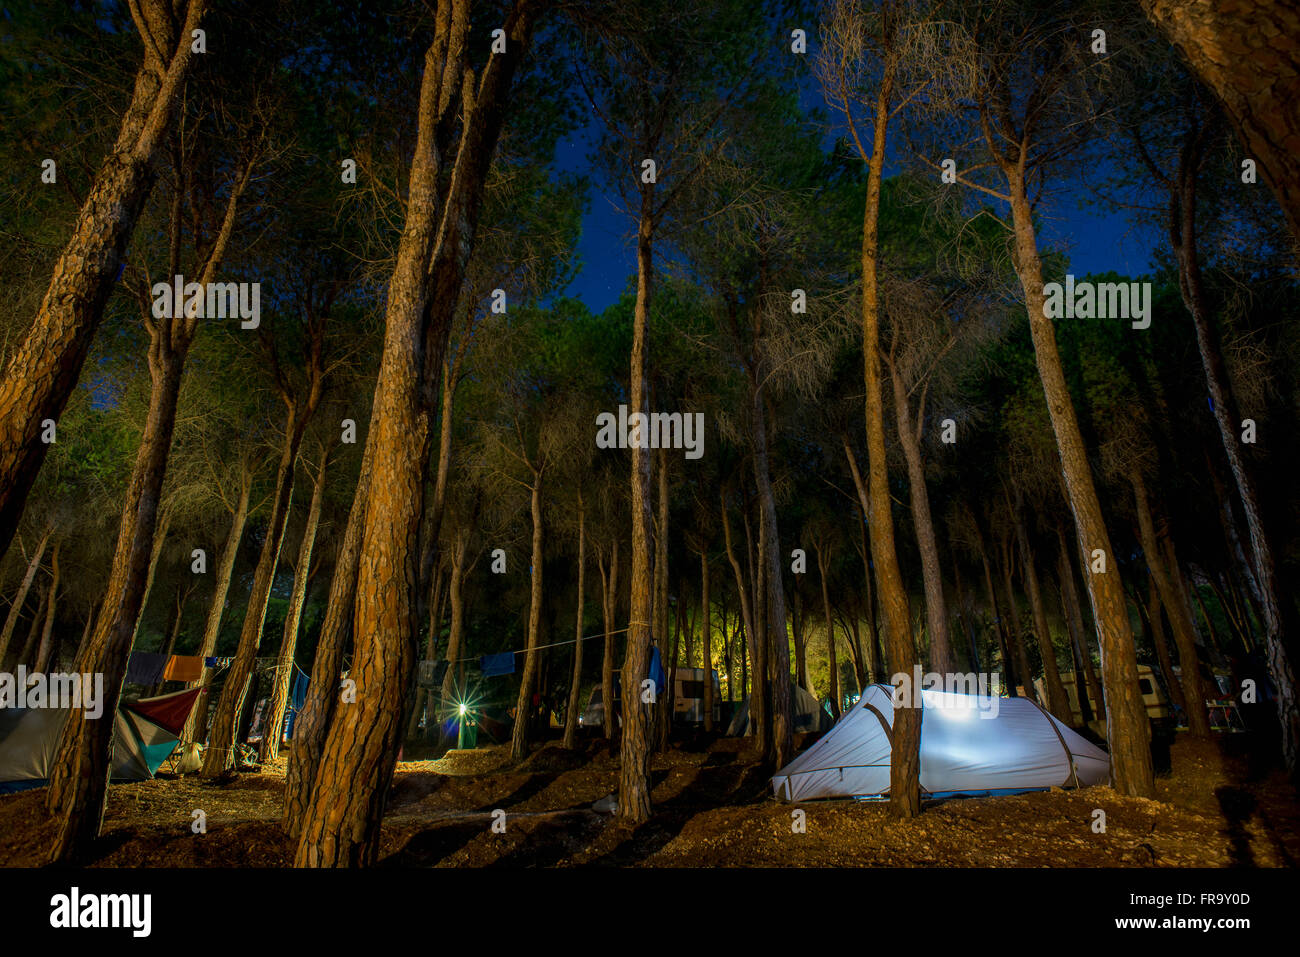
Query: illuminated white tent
{"points": [[969, 745]]}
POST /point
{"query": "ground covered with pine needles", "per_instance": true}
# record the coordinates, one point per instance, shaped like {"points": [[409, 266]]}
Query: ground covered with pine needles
{"points": [[712, 808]]}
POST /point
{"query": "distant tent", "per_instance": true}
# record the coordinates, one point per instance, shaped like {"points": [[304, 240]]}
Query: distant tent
{"points": [[145, 733], [963, 750], [806, 713]]}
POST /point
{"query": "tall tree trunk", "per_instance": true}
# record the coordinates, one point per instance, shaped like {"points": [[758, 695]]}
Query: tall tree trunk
{"points": [[1198, 716], [936, 610], [834, 689], [610, 612], [575, 686], [196, 725], [284, 664], [1161, 646], [42, 373], [1057, 700], [742, 592], [27, 653], [219, 755], [1280, 626], [1074, 614], [323, 695], [797, 633], [760, 711], [434, 513], [524, 702], [79, 780], [16, 609], [707, 639], [456, 630], [663, 713], [1016, 632], [342, 821], [1010, 664], [905, 760], [1128, 728], [634, 768]]}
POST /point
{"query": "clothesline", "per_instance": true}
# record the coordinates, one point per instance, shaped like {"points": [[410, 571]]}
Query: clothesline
{"points": [[553, 644]]}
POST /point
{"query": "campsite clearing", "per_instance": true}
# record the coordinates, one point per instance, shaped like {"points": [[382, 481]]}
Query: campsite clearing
{"points": [[712, 807]]}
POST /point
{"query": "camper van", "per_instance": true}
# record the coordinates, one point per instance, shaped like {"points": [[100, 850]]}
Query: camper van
{"points": [[688, 696], [1153, 696]]}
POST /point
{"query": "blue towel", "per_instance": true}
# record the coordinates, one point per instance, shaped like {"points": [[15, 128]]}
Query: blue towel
{"points": [[493, 665], [297, 697], [657, 672], [146, 668]]}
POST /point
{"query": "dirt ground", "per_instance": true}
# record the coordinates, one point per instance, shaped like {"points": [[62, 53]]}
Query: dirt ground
{"points": [[712, 808]]}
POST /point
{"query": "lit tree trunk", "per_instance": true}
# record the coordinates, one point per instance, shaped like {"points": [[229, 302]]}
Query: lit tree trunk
{"points": [[159, 539], [16, 609], [79, 780], [524, 703], [936, 609], [323, 695], [433, 518], [196, 724], [456, 599], [43, 371], [1128, 729], [607, 665], [1198, 717], [274, 722], [707, 639], [905, 760], [776, 645], [1057, 701], [797, 633], [663, 713], [743, 593], [1244, 51], [575, 686], [341, 825], [834, 691], [634, 768]]}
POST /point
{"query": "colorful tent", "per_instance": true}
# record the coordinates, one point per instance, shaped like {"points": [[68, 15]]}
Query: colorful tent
{"points": [[145, 733], [969, 745]]}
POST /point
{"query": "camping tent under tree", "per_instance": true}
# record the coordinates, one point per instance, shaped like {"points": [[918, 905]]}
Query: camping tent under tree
{"points": [[969, 745]]}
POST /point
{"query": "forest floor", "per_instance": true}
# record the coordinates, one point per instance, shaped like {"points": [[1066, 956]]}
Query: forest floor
{"points": [[712, 807]]}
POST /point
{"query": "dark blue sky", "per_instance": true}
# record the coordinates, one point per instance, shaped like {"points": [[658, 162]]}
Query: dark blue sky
{"points": [[1096, 240]]}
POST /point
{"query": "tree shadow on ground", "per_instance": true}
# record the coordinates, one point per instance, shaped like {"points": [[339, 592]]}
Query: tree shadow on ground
{"points": [[536, 784], [1238, 806], [553, 838], [432, 845], [712, 786]]}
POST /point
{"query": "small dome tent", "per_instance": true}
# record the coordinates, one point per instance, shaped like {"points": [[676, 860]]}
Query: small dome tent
{"points": [[806, 714], [969, 745]]}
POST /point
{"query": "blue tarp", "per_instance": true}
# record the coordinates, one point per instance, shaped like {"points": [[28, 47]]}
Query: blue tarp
{"points": [[493, 665]]}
